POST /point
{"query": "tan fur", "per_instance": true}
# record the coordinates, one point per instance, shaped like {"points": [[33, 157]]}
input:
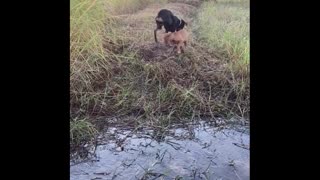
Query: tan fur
{"points": [[178, 39]]}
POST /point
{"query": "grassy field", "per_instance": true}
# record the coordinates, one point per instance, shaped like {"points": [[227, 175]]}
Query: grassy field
{"points": [[112, 74]]}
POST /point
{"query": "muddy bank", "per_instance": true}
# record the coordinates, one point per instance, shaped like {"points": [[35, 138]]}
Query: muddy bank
{"points": [[195, 151]]}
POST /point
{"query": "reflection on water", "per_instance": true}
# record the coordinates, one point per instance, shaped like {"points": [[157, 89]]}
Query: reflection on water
{"points": [[193, 152]]}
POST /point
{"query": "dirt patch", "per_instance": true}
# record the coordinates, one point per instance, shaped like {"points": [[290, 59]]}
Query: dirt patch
{"points": [[155, 52], [195, 3], [138, 28], [181, 10], [137, 31]]}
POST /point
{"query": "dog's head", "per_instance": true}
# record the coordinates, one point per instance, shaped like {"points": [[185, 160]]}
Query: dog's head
{"points": [[159, 22]]}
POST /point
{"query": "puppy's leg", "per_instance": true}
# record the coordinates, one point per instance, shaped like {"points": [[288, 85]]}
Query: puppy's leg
{"points": [[166, 39], [184, 45], [178, 48], [182, 49]]}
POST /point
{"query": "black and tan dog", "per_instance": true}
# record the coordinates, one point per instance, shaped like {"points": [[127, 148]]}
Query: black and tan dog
{"points": [[170, 22]]}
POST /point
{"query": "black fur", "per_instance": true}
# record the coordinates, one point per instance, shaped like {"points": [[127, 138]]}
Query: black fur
{"points": [[170, 22]]}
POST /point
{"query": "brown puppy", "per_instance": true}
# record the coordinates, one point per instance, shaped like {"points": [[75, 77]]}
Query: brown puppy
{"points": [[178, 39]]}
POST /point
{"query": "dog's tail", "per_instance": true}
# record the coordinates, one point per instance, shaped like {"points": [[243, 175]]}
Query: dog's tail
{"points": [[186, 23]]}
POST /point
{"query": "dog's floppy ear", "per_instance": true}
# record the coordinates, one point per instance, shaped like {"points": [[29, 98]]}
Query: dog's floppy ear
{"points": [[159, 19]]}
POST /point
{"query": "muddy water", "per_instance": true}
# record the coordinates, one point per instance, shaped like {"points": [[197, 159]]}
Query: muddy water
{"points": [[193, 152]]}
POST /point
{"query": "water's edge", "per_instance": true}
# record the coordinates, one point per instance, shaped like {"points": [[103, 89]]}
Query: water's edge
{"points": [[198, 151]]}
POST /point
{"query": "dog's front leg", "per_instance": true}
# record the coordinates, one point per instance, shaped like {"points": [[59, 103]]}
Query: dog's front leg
{"points": [[159, 27], [155, 35]]}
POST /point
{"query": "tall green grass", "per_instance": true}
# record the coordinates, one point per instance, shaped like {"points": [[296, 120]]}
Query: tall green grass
{"points": [[81, 130], [87, 20], [95, 59], [224, 27], [128, 6]]}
